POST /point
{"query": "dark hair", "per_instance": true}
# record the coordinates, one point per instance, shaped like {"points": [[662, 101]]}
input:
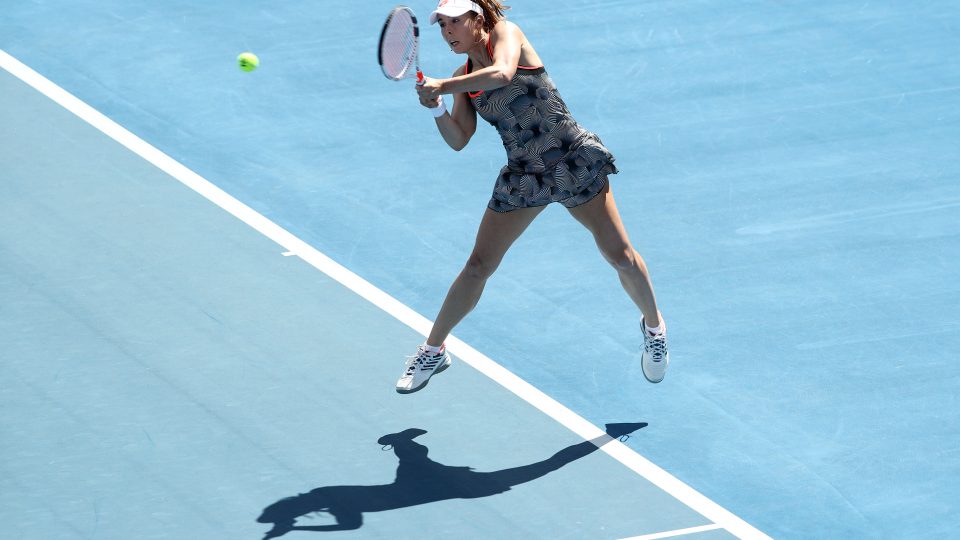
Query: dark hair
{"points": [[492, 12]]}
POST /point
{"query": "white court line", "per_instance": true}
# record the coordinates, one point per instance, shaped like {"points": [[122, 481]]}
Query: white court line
{"points": [[678, 532], [682, 492]]}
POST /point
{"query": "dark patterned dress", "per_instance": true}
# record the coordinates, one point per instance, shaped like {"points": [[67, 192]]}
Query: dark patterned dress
{"points": [[550, 158]]}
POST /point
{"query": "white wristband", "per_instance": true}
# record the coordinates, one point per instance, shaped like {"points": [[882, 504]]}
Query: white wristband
{"points": [[439, 109]]}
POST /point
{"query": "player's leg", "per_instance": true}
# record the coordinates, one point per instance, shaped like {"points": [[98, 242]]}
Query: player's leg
{"points": [[497, 232], [601, 217]]}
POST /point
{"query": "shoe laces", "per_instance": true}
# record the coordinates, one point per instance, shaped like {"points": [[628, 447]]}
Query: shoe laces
{"points": [[656, 346], [415, 362]]}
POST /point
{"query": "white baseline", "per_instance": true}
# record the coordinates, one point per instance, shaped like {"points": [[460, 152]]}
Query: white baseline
{"points": [[682, 492]]}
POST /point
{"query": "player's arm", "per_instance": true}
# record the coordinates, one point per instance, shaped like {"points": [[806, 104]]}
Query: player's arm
{"points": [[506, 39], [458, 125]]}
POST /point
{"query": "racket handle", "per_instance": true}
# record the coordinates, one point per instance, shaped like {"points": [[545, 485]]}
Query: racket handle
{"points": [[420, 79]]}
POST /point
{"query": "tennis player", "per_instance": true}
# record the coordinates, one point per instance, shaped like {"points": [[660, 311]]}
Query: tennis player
{"points": [[550, 158]]}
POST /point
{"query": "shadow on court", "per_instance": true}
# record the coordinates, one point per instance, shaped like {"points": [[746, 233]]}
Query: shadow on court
{"points": [[420, 480]]}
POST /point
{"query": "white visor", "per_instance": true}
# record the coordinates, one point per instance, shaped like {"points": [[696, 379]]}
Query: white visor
{"points": [[452, 8]]}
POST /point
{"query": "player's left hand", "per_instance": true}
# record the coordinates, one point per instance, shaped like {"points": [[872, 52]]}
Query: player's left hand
{"points": [[429, 90]]}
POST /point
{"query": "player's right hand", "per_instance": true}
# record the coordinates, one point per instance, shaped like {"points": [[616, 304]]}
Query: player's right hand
{"points": [[430, 103]]}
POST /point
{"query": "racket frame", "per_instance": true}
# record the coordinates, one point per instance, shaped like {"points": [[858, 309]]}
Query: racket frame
{"points": [[416, 46]]}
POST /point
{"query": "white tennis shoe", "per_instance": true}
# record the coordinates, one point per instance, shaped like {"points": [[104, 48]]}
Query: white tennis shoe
{"points": [[420, 367], [656, 357]]}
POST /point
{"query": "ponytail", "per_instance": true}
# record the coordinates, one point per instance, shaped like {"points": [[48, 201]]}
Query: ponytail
{"points": [[492, 12]]}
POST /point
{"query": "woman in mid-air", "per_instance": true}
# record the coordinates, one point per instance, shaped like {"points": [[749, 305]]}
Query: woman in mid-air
{"points": [[550, 158]]}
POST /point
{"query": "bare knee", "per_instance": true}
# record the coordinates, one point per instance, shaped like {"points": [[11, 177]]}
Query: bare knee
{"points": [[479, 266]]}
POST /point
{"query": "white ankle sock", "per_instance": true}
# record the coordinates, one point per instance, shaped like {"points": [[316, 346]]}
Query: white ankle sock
{"points": [[431, 349], [654, 331]]}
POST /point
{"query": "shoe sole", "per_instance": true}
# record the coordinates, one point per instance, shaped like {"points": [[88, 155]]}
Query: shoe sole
{"points": [[440, 369]]}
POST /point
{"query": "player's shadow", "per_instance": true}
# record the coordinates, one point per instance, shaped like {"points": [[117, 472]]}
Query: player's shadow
{"points": [[420, 480]]}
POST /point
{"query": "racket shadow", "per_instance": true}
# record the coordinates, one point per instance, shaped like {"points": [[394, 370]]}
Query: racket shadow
{"points": [[419, 480]]}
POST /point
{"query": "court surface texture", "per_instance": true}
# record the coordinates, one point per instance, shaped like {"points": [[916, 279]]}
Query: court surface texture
{"points": [[210, 279]]}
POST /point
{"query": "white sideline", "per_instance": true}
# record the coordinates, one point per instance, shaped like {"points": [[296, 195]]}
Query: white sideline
{"points": [[682, 492]]}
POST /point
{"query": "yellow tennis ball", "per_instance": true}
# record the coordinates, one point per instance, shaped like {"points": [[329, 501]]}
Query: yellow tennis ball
{"points": [[248, 61]]}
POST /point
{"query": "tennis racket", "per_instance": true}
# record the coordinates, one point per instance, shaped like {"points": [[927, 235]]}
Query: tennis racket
{"points": [[399, 52]]}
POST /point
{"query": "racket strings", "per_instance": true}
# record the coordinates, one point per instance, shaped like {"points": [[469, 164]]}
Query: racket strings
{"points": [[399, 46]]}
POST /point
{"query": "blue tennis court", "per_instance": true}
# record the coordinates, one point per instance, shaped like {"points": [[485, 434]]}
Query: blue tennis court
{"points": [[209, 279]]}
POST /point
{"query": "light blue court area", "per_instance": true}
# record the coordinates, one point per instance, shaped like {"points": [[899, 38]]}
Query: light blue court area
{"points": [[789, 171], [169, 374]]}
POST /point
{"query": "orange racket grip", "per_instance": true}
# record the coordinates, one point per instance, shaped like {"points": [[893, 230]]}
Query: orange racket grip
{"points": [[420, 78]]}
